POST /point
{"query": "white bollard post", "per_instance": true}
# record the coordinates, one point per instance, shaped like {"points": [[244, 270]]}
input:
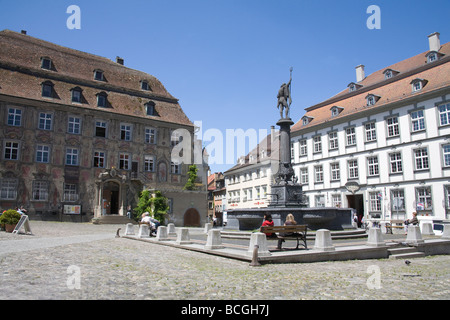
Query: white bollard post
{"points": [[161, 234], [446, 231], [144, 231], [259, 239], [214, 240], [323, 241], [208, 226], [183, 236], [414, 236], [129, 231], [171, 230], [375, 238], [427, 229]]}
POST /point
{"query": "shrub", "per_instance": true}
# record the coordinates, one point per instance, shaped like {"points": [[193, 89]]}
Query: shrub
{"points": [[10, 217]]}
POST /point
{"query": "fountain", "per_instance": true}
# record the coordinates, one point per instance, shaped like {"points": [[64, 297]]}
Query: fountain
{"points": [[287, 195]]}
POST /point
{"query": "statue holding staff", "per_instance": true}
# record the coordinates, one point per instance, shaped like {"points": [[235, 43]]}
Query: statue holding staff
{"points": [[284, 98]]}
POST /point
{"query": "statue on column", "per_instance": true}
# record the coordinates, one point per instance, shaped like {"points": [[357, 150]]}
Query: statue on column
{"points": [[284, 98]]}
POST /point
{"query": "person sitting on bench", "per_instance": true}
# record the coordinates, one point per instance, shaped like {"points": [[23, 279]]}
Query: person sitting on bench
{"points": [[268, 222], [290, 221]]}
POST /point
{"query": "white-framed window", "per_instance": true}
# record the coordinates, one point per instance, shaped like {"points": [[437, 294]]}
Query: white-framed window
{"points": [[14, 117], [432, 57], [149, 163], [45, 121], [175, 137], [145, 86], [353, 169], [8, 189], [372, 163], [150, 135], [150, 108], [444, 114], [417, 120], [76, 95], [371, 100], [317, 144], [318, 173], [388, 74], [395, 160], [336, 200], [374, 202], [40, 190], [42, 153], [351, 136], [100, 128], [303, 147], [333, 138], [319, 200], [175, 167], [125, 131], [335, 171], [417, 86], [102, 100], [371, 132], [99, 159], [124, 161], [446, 154], [398, 203], [70, 192], [11, 150], [74, 125], [304, 176], [72, 155], [424, 199], [392, 127], [99, 75], [421, 159]]}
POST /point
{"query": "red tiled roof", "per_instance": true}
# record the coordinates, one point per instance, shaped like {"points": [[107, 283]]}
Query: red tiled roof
{"points": [[21, 75], [395, 89]]}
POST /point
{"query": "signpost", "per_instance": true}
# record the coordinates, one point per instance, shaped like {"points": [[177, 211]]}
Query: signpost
{"points": [[23, 222]]}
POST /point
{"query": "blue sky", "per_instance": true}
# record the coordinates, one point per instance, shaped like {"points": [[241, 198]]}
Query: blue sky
{"points": [[226, 59]]}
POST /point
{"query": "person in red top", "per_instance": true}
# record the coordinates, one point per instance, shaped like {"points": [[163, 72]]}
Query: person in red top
{"points": [[268, 222]]}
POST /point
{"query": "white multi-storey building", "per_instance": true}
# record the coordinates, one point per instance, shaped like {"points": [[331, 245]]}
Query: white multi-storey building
{"points": [[382, 146]]}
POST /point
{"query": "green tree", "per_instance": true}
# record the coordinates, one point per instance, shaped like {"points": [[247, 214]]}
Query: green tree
{"points": [[192, 177], [156, 205]]}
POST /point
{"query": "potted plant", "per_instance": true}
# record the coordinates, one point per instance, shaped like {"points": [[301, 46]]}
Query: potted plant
{"points": [[10, 218]]}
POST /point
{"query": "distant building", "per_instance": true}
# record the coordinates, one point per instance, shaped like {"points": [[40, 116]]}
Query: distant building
{"points": [[248, 182], [382, 146], [81, 130]]}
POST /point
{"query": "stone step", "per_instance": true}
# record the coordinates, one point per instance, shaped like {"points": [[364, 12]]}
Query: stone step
{"points": [[114, 219], [401, 250], [409, 255], [311, 235]]}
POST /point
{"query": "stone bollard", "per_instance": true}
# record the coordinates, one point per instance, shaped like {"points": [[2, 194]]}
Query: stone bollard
{"points": [[208, 226], [323, 241], [129, 231], [144, 231], [161, 234], [446, 231], [375, 238], [414, 236], [171, 230], [258, 239], [214, 240], [183, 236], [427, 229]]}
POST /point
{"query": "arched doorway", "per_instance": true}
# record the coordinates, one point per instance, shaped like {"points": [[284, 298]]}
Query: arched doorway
{"points": [[111, 193], [192, 218]]}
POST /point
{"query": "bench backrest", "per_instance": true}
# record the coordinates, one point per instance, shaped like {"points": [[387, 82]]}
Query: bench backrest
{"points": [[291, 228], [396, 221]]}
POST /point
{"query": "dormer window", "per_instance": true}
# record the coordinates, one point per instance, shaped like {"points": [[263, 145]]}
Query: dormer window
{"points": [[76, 95], [389, 73], [433, 56], [306, 120], [47, 89], [336, 110], [372, 99], [46, 63], [98, 75], [353, 87], [145, 86], [150, 108], [418, 84], [102, 100]]}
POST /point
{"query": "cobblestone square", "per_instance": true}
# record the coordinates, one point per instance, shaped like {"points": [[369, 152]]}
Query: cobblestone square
{"points": [[40, 266]]}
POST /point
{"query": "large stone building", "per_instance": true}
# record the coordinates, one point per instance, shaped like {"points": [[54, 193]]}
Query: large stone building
{"points": [[382, 146], [82, 132]]}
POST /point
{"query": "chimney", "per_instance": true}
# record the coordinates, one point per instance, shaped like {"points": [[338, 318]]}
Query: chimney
{"points": [[360, 73], [120, 60], [435, 43], [23, 32]]}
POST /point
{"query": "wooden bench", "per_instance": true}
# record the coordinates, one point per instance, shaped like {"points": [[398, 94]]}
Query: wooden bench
{"points": [[396, 224], [297, 232]]}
